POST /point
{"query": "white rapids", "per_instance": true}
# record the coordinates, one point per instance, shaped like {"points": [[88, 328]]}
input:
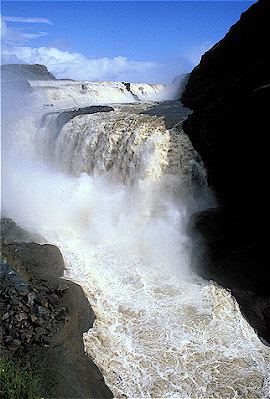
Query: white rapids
{"points": [[80, 93], [116, 197]]}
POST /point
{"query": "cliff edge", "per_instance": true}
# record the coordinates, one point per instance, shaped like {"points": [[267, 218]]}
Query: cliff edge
{"points": [[229, 95], [11, 72]]}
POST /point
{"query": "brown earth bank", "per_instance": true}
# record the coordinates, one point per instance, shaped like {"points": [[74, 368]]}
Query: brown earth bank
{"points": [[229, 95], [44, 317]]}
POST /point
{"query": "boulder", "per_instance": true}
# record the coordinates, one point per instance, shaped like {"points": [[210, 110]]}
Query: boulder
{"points": [[34, 259]]}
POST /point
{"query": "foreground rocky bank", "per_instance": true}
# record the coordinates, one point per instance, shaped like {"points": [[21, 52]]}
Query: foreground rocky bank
{"points": [[44, 317], [229, 95]]}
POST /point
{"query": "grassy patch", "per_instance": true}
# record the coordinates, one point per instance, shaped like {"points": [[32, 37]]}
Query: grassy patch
{"points": [[18, 382]]}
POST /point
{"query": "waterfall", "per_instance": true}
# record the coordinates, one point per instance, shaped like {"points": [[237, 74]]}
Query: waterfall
{"points": [[115, 191], [74, 93]]}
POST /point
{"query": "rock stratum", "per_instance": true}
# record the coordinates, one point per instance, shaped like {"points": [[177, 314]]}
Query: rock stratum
{"points": [[229, 95], [44, 317]]}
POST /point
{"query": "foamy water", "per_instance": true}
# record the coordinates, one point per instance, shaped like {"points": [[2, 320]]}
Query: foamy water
{"points": [[83, 93], [115, 196]]}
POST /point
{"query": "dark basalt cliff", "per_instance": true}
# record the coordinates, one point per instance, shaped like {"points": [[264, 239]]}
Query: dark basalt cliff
{"points": [[229, 95]]}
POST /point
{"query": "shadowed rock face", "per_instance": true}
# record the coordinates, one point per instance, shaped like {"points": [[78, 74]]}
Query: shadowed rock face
{"points": [[229, 95]]}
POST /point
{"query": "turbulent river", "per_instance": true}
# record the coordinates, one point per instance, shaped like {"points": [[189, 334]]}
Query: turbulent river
{"points": [[115, 191]]}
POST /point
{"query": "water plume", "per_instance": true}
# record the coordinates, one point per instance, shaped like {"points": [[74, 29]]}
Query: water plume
{"points": [[114, 192]]}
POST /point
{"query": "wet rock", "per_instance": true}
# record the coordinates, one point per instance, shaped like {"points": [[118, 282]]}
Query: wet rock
{"points": [[42, 311], [25, 308], [8, 241], [11, 232], [41, 331], [5, 316], [37, 337], [44, 303], [31, 298], [14, 300], [42, 288], [33, 318], [14, 345], [21, 316], [27, 335], [8, 339], [62, 287], [127, 86]]}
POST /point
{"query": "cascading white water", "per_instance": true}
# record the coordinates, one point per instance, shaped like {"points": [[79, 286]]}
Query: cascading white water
{"points": [[76, 93], [116, 199]]}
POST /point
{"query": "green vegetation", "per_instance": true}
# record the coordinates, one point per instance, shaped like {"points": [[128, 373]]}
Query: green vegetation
{"points": [[18, 382]]}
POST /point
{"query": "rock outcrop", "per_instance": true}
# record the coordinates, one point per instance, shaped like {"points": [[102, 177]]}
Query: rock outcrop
{"points": [[14, 72], [127, 86], [229, 95], [44, 317]]}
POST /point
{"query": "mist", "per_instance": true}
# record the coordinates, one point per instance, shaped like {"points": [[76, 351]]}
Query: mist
{"points": [[140, 220], [115, 192]]}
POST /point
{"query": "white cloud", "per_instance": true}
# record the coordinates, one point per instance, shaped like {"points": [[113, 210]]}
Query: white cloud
{"points": [[33, 35], [28, 20], [64, 64], [3, 28], [13, 36]]}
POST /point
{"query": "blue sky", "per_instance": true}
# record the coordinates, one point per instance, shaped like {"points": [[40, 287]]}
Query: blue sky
{"points": [[150, 41]]}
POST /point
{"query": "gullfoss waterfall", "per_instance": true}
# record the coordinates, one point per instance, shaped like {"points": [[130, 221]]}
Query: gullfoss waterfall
{"points": [[115, 191]]}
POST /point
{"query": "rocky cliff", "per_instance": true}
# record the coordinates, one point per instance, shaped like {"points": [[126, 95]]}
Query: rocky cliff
{"points": [[11, 72], [229, 95], [44, 317]]}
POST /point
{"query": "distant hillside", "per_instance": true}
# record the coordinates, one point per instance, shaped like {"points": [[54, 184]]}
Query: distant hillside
{"points": [[15, 72]]}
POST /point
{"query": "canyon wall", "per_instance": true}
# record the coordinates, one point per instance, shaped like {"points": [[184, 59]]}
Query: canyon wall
{"points": [[229, 95]]}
